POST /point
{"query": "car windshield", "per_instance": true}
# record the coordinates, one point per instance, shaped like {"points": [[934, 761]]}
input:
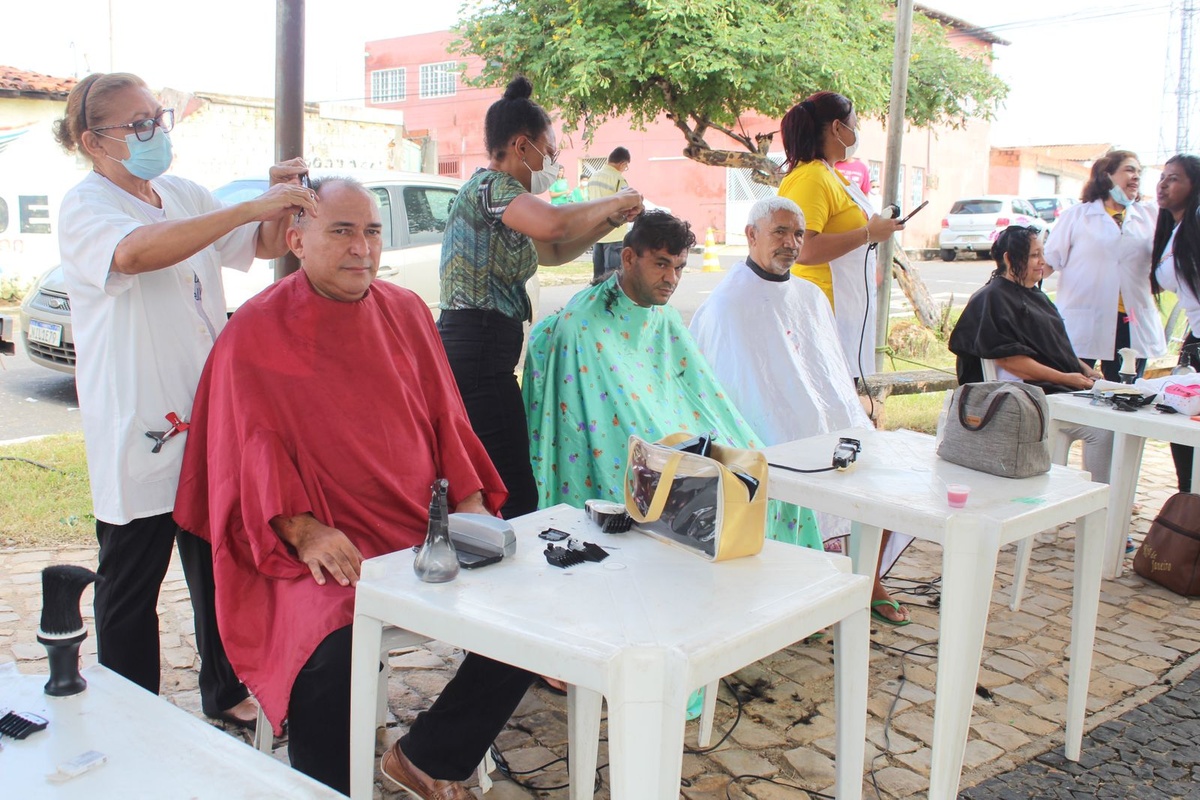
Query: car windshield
{"points": [[1044, 203], [977, 207], [240, 191]]}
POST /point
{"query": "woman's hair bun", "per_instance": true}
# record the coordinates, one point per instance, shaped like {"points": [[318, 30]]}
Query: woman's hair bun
{"points": [[519, 88]]}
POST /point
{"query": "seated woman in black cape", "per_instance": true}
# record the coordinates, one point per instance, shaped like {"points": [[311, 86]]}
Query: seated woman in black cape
{"points": [[1012, 322]]}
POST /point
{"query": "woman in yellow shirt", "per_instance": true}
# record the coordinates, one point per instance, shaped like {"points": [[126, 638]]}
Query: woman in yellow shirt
{"points": [[840, 223], [841, 227]]}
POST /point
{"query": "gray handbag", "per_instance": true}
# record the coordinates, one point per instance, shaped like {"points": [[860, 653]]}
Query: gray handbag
{"points": [[998, 427]]}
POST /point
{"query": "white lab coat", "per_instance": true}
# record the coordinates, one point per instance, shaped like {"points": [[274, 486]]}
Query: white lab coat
{"points": [[1096, 262], [141, 340]]}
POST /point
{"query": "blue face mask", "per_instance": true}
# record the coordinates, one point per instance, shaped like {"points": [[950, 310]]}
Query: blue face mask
{"points": [[1119, 197], [147, 159]]}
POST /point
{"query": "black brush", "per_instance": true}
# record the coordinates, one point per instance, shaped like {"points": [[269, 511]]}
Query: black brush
{"points": [[62, 629]]}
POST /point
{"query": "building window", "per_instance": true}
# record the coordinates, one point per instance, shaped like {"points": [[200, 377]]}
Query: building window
{"points": [[917, 189], [387, 85], [448, 167], [439, 80]]}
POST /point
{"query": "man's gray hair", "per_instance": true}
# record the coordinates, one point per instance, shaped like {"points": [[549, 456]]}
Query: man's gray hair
{"points": [[769, 205]]}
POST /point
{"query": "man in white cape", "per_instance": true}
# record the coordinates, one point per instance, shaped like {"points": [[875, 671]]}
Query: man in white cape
{"points": [[772, 341]]}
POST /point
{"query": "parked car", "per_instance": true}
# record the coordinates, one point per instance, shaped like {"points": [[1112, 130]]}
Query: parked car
{"points": [[415, 208], [974, 223], [1049, 208], [46, 323]]}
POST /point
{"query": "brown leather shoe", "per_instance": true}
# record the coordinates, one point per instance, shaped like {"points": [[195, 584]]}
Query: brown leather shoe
{"points": [[396, 767]]}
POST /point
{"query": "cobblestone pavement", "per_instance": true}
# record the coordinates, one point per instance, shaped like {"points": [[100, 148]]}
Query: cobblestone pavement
{"points": [[1143, 739], [1149, 753]]}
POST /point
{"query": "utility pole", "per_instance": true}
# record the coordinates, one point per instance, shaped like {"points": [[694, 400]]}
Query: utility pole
{"points": [[289, 96], [1183, 95], [891, 165]]}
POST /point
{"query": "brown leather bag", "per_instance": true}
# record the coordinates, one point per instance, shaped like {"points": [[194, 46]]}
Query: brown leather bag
{"points": [[1170, 556]]}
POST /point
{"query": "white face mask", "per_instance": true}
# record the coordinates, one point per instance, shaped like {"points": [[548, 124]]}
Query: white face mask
{"points": [[540, 180], [851, 148]]}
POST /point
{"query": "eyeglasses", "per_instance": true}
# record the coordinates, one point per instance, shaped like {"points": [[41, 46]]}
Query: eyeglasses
{"points": [[144, 129], [552, 155]]}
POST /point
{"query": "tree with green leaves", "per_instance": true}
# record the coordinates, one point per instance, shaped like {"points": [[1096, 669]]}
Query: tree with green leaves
{"points": [[703, 64]]}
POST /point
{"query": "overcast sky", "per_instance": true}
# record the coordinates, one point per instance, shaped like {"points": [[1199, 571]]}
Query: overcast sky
{"points": [[1079, 70]]}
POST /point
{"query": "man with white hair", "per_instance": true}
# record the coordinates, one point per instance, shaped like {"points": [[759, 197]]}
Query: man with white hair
{"points": [[772, 341]]}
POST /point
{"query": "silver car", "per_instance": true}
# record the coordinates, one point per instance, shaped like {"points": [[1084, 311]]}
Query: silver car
{"points": [[46, 323], [974, 223]]}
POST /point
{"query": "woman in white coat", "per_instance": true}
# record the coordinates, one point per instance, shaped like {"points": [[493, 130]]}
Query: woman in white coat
{"points": [[1101, 250], [1177, 266]]}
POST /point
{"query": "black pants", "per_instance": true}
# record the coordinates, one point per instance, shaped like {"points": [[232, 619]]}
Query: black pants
{"points": [[1112, 369], [1182, 454], [483, 348], [447, 742], [133, 561], [606, 256]]}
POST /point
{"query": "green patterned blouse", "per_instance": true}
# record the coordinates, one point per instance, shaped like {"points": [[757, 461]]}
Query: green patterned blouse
{"points": [[485, 263]]}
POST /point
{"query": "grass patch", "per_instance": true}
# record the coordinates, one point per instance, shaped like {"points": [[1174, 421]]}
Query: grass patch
{"points": [[571, 272], [46, 507]]}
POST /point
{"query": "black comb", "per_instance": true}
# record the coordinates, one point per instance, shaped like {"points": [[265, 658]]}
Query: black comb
{"points": [[19, 725], [589, 550], [562, 557]]}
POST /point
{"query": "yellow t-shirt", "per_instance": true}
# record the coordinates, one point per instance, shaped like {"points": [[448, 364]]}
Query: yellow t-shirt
{"points": [[827, 208]]}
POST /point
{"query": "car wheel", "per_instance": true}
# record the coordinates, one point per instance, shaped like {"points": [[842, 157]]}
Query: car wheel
{"points": [[949, 255], [983, 255]]}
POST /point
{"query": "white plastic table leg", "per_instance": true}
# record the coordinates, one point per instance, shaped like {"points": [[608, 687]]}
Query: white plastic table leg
{"points": [[646, 704], [1060, 443], [1126, 464], [851, 643], [583, 739], [708, 713], [364, 683], [1020, 571], [484, 772], [1085, 603], [968, 572], [864, 544]]}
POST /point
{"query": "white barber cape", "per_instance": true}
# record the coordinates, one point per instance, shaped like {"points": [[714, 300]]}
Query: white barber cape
{"points": [[774, 347]]}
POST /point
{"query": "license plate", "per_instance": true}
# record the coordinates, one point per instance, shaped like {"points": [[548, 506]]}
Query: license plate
{"points": [[972, 238], [45, 333]]}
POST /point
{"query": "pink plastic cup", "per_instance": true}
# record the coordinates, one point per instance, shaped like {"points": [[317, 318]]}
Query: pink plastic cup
{"points": [[956, 494]]}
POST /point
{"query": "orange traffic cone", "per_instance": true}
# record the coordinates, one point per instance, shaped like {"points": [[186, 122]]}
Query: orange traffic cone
{"points": [[711, 262]]}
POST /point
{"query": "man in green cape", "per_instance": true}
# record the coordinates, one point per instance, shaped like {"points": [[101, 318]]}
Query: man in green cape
{"points": [[617, 360]]}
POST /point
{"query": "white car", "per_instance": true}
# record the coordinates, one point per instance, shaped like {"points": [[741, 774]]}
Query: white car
{"points": [[974, 223], [415, 209]]}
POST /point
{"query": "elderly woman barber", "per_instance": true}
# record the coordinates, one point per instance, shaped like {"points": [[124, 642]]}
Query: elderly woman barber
{"points": [[1101, 251], [142, 256]]}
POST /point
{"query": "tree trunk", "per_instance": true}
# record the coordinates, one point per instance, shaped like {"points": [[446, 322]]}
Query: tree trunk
{"points": [[764, 169], [909, 278]]}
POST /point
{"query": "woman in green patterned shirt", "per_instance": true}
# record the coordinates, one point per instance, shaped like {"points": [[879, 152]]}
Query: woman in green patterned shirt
{"points": [[497, 234]]}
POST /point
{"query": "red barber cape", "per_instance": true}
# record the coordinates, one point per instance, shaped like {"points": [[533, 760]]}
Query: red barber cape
{"points": [[345, 410]]}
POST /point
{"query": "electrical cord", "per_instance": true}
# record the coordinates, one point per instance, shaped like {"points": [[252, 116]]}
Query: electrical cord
{"points": [[502, 766], [887, 722]]}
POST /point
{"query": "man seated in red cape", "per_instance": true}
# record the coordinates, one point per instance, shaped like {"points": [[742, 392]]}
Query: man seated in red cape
{"points": [[324, 414]]}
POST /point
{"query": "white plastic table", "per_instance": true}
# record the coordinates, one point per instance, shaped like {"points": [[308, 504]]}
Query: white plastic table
{"points": [[641, 629], [154, 749], [1131, 429], [899, 483]]}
